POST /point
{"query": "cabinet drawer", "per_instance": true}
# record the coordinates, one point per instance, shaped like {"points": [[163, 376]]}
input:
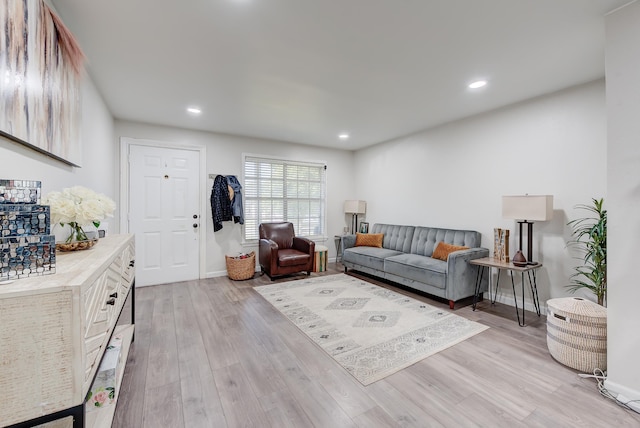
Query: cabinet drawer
{"points": [[124, 263], [103, 302], [128, 267]]}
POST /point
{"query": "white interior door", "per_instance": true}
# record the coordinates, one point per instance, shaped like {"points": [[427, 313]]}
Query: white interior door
{"points": [[164, 212]]}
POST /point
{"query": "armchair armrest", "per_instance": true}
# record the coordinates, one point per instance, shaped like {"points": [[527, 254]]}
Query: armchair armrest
{"points": [[305, 245], [461, 275], [268, 253]]}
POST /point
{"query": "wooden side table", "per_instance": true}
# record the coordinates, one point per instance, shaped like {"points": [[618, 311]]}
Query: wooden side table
{"points": [[320, 258], [488, 262]]}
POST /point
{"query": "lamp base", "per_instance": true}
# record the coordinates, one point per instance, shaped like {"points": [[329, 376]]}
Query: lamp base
{"points": [[519, 259]]}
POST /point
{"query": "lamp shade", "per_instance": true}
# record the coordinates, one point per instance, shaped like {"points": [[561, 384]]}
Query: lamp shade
{"points": [[355, 207], [528, 207]]}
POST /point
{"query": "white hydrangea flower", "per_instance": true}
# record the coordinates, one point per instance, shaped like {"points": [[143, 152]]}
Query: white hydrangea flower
{"points": [[79, 205]]}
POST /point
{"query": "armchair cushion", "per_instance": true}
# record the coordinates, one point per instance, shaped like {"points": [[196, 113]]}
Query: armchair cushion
{"points": [[280, 233], [292, 258]]}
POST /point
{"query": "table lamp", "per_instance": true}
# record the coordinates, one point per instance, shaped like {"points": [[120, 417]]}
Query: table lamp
{"points": [[354, 208], [527, 209]]}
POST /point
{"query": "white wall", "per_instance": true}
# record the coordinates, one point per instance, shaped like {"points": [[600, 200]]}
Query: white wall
{"points": [[224, 156], [98, 154], [623, 107], [454, 176]]}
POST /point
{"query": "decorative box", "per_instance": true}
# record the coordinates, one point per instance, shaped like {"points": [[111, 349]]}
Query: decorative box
{"points": [[24, 220], [24, 256], [103, 389], [19, 192]]}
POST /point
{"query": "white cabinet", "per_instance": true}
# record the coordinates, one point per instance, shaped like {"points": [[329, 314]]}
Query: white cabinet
{"points": [[54, 330]]}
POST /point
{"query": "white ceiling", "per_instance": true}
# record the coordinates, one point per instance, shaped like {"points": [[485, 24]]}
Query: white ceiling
{"points": [[305, 70]]}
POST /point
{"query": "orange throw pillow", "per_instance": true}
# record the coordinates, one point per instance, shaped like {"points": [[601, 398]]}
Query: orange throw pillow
{"points": [[443, 249], [369, 239]]}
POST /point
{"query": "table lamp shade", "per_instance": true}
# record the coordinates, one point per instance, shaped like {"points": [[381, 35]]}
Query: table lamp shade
{"points": [[355, 207], [528, 207]]}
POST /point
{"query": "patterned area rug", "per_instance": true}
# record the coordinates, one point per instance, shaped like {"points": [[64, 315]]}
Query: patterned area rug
{"points": [[369, 330]]}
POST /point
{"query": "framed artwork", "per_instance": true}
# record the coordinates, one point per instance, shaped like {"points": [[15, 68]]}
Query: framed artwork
{"points": [[364, 227], [40, 91]]}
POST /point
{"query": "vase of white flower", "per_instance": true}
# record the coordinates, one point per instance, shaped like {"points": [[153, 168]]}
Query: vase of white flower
{"points": [[78, 207]]}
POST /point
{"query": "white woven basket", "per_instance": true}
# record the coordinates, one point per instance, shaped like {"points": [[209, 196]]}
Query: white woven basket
{"points": [[577, 333]]}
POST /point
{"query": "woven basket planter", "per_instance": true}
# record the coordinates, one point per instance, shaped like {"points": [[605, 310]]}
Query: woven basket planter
{"points": [[577, 333], [239, 269]]}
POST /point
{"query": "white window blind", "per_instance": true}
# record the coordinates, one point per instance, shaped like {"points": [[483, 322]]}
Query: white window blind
{"points": [[284, 190]]}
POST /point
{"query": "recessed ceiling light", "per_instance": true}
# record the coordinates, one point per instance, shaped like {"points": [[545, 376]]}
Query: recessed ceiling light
{"points": [[194, 110], [343, 136], [477, 84]]}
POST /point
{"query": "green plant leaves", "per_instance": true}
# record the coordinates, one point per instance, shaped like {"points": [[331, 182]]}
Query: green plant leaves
{"points": [[590, 239]]}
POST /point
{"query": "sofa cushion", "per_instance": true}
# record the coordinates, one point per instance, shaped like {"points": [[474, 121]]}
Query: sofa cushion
{"points": [[370, 257], [369, 239], [418, 268], [425, 239], [443, 250], [395, 237]]}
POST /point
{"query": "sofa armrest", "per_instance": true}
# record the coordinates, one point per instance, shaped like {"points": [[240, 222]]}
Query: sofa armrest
{"points": [[461, 275], [347, 241]]}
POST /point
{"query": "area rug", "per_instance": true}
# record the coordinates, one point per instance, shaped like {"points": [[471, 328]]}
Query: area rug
{"points": [[371, 331]]}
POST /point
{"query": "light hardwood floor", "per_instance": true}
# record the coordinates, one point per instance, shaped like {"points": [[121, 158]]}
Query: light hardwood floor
{"points": [[213, 353]]}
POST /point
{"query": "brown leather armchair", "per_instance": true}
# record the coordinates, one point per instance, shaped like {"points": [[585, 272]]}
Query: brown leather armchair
{"points": [[281, 252]]}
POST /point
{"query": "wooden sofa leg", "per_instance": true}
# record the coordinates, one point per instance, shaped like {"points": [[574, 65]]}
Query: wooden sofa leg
{"points": [[451, 303]]}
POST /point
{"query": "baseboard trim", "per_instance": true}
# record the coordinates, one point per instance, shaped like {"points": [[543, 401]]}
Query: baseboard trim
{"points": [[219, 273], [617, 389], [506, 299]]}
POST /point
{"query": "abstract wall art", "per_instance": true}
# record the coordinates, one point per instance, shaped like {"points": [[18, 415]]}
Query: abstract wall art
{"points": [[40, 72]]}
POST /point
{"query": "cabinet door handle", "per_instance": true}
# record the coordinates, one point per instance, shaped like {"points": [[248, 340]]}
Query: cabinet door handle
{"points": [[111, 301], [115, 295]]}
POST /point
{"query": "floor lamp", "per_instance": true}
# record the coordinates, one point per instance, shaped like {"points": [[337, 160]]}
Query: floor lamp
{"points": [[527, 209], [354, 208]]}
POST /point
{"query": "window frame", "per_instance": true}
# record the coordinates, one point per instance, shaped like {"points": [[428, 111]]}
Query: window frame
{"points": [[285, 161]]}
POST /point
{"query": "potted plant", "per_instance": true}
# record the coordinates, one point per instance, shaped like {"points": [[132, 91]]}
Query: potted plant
{"points": [[590, 237]]}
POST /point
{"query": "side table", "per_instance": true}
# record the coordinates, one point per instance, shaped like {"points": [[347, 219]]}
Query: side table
{"points": [[338, 241], [489, 262], [320, 258]]}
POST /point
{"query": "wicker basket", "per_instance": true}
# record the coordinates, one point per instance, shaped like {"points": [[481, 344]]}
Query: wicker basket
{"points": [[239, 269], [577, 333]]}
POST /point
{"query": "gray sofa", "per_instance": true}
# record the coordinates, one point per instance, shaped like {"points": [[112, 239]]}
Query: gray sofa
{"points": [[405, 258]]}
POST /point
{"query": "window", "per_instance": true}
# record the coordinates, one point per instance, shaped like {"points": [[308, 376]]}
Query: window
{"points": [[284, 190]]}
